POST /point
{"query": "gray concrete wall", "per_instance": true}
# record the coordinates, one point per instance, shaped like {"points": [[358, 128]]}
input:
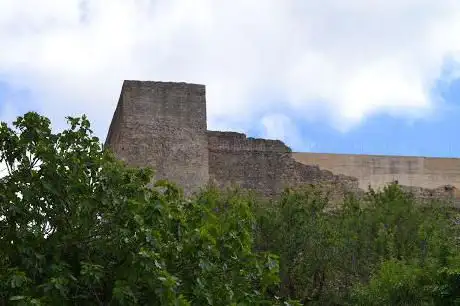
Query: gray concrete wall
{"points": [[163, 125], [378, 170]]}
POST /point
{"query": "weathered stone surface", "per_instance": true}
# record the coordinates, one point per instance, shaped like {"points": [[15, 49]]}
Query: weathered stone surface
{"points": [[163, 125], [263, 165]]}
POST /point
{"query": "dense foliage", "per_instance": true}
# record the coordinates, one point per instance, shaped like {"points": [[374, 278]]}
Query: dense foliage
{"points": [[382, 250], [78, 227]]}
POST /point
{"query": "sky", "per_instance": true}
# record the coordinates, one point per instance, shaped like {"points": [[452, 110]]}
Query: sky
{"points": [[356, 76]]}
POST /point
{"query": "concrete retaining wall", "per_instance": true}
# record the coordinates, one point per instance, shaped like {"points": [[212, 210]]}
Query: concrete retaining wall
{"points": [[378, 170]]}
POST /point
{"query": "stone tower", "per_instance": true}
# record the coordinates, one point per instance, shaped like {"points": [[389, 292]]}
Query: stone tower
{"points": [[163, 125]]}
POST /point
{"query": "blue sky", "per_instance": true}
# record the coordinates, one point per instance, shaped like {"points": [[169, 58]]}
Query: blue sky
{"points": [[328, 76], [436, 135]]}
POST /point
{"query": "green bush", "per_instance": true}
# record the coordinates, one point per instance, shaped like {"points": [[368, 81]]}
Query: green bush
{"points": [[325, 255]]}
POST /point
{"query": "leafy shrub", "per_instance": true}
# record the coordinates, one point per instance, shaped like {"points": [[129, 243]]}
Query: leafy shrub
{"points": [[325, 255]]}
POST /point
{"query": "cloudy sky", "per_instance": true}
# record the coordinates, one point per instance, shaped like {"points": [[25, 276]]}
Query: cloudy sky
{"points": [[356, 76]]}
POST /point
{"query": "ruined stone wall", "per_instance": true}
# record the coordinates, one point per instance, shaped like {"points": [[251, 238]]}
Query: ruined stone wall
{"points": [[163, 125], [265, 166]]}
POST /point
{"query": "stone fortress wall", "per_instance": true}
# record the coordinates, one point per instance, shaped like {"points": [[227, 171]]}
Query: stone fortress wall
{"points": [[265, 166], [163, 125]]}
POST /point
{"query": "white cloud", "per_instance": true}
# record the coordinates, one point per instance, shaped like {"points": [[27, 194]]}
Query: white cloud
{"points": [[338, 60], [279, 126]]}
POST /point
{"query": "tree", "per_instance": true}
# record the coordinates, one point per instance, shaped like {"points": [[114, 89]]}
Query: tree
{"points": [[77, 227], [326, 255]]}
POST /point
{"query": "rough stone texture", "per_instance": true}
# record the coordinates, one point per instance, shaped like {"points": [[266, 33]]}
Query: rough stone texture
{"points": [[249, 163], [163, 125], [263, 165]]}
